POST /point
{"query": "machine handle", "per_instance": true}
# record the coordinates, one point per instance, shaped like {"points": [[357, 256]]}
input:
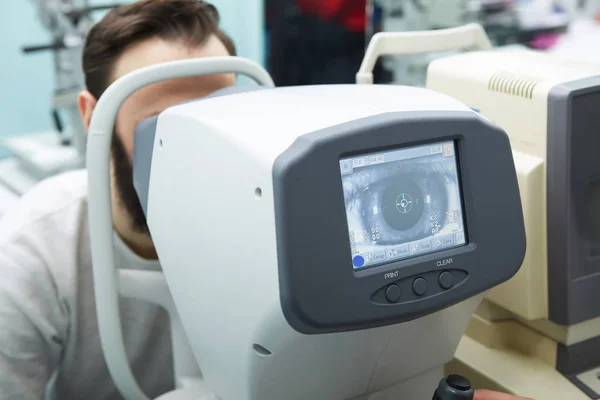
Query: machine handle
{"points": [[64, 140], [73, 14], [454, 387], [100, 7], [57, 122], [106, 281], [44, 47], [398, 43]]}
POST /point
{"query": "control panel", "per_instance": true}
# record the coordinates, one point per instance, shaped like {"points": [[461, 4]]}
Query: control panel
{"points": [[419, 287]]}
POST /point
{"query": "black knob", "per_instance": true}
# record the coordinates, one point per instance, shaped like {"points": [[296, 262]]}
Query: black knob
{"points": [[454, 387]]}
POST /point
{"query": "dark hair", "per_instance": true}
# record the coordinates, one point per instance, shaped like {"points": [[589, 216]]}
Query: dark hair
{"points": [[191, 21]]}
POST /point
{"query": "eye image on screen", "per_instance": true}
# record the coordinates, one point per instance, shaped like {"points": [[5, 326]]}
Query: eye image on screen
{"points": [[403, 203]]}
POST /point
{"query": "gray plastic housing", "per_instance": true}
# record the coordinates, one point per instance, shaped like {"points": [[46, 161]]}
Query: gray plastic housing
{"points": [[320, 291], [573, 199]]}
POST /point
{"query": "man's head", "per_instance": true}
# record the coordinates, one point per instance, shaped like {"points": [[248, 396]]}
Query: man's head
{"points": [[137, 35]]}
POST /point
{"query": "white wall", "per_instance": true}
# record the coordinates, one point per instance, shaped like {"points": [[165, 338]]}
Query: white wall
{"points": [[25, 81], [244, 21]]}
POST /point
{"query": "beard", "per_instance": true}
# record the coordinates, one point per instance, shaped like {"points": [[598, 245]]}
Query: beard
{"points": [[123, 178]]}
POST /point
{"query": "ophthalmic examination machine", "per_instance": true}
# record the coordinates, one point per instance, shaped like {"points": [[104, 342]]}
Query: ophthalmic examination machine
{"points": [[320, 242]]}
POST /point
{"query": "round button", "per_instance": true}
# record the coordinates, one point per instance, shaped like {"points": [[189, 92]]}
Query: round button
{"points": [[446, 280], [420, 286], [458, 382], [392, 293], [358, 261]]}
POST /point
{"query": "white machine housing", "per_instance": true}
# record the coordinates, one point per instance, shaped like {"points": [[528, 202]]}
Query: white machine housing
{"points": [[238, 340], [244, 200], [515, 89], [550, 109], [211, 183]]}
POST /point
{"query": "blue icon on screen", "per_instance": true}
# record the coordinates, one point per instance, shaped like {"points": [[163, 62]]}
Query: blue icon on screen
{"points": [[358, 261]]}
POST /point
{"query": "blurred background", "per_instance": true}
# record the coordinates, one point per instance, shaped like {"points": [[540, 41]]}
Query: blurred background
{"points": [[301, 42], [28, 80]]}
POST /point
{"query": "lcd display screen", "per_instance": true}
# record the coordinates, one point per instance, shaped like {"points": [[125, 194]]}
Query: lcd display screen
{"points": [[403, 203]]}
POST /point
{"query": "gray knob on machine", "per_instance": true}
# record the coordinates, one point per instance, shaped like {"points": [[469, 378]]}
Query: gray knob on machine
{"points": [[454, 387]]}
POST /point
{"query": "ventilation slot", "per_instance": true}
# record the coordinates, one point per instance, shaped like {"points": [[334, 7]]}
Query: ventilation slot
{"points": [[512, 85]]}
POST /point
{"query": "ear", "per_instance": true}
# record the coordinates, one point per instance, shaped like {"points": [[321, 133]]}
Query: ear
{"points": [[86, 103]]}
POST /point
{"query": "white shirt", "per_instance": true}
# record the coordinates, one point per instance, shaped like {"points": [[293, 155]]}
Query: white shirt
{"points": [[48, 326]]}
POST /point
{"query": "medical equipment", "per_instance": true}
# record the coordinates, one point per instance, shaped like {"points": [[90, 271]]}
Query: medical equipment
{"points": [[317, 242], [549, 107], [418, 15], [534, 23], [410, 67], [43, 154], [543, 325]]}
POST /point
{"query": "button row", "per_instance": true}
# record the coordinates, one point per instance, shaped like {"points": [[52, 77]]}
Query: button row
{"points": [[419, 287]]}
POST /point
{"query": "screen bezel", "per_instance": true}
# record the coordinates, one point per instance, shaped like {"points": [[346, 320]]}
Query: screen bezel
{"points": [[460, 189], [319, 291]]}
